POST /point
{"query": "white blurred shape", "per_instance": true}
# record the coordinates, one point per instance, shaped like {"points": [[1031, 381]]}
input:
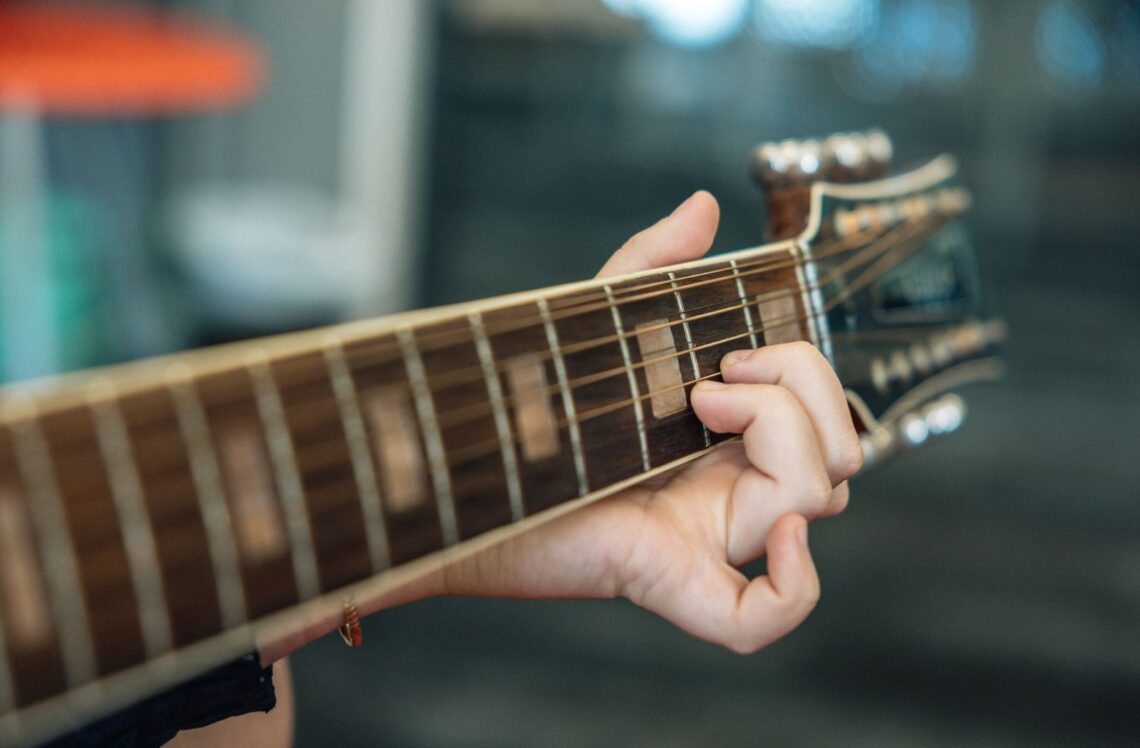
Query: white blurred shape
{"points": [[915, 430], [831, 24], [269, 254], [809, 163], [1069, 47], [687, 23]]}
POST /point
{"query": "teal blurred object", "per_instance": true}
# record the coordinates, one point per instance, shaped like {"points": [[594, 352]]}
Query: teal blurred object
{"points": [[63, 289]]}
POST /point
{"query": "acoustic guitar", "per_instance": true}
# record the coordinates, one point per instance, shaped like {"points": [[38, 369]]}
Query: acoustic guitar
{"points": [[160, 518]]}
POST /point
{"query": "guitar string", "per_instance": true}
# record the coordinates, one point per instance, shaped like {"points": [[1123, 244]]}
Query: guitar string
{"points": [[723, 341], [561, 423], [609, 407], [597, 412], [834, 246], [692, 314], [448, 419], [299, 411], [293, 411], [597, 300], [474, 374], [451, 419], [490, 447]]}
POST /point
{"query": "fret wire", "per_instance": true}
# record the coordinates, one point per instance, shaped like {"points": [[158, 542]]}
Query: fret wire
{"points": [[567, 396], [744, 303], [809, 280], [134, 524], [221, 543], [502, 422], [433, 440], [688, 344], [808, 302], [364, 474], [284, 461], [57, 555], [638, 412]]}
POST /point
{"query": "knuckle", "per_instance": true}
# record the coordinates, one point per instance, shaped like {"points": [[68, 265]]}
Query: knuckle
{"points": [[743, 644], [808, 354], [817, 492], [811, 596], [840, 498], [849, 460]]}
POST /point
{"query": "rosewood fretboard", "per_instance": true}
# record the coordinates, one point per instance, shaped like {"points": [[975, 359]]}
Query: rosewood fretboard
{"points": [[155, 506]]}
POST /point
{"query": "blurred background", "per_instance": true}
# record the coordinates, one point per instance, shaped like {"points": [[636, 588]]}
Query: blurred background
{"points": [[303, 163]]}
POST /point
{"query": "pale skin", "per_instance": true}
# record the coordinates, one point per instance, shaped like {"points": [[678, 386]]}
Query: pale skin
{"points": [[674, 545]]}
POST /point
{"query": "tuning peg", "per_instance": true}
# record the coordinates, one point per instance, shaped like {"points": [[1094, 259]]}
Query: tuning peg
{"points": [[935, 419], [843, 157], [785, 170], [857, 156], [790, 163]]}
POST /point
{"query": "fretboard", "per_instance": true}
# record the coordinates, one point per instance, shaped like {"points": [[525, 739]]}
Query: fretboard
{"points": [[151, 508]]}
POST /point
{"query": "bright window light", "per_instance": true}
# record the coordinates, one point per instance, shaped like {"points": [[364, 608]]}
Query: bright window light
{"points": [[687, 23]]}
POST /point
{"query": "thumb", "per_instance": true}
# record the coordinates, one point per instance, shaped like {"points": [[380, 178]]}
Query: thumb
{"points": [[685, 234]]}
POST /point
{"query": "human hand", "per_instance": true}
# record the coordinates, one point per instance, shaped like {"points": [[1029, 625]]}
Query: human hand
{"points": [[672, 545]]}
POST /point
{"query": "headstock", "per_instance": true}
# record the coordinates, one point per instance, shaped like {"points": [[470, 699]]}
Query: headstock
{"points": [[893, 277]]}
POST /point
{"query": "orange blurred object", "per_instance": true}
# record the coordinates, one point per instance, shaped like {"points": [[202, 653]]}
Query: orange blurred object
{"points": [[102, 59]]}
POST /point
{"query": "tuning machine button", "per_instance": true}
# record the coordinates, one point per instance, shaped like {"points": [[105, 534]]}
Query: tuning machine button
{"points": [[857, 156], [935, 419]]}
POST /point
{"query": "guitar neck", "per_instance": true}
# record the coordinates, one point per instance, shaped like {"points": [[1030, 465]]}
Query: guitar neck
{"points": [[153, 516]]}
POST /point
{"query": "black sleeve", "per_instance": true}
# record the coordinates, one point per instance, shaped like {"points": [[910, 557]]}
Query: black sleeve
{"points": [[240, 687]]}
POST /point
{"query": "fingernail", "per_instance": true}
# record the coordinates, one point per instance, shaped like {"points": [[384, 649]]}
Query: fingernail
{"points": [[735, 357], [710, 385], [802, 532]]}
